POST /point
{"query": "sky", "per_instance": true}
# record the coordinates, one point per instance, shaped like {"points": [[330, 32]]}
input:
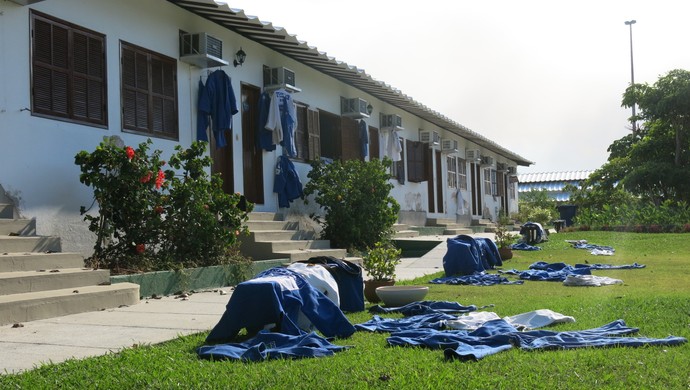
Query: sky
{"points": [[543, 79]]}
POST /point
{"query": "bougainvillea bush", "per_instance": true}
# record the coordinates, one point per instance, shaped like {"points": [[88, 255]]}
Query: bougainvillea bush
{"points": [[150, 215]]}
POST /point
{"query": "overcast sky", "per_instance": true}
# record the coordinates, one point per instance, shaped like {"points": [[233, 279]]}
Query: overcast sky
{"points": [[542, 78]]}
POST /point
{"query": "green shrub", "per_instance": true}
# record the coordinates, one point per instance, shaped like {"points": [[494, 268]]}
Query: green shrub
{"points": [[149, 219], [355, 195], [380, 261]]}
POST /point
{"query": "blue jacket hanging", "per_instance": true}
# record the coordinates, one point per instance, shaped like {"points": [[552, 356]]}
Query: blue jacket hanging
{"points": [[287, 183], [217, 100], [264, 137]]}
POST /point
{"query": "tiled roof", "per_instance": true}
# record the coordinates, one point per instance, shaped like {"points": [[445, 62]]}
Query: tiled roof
{"points": [[278, 39]]}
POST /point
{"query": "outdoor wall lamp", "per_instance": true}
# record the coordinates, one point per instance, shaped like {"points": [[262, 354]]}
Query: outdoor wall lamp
{"points": [[370, 109], [240, 56]]}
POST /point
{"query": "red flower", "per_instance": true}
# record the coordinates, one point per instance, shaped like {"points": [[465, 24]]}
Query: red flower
{"points": [[146, 178], [140, 248], [159, 209], [160, 179], [130, 152]]}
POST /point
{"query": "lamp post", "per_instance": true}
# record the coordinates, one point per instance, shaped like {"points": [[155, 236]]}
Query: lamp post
{"points": [[632, 73]]}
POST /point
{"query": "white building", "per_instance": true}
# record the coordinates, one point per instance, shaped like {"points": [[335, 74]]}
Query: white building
{"points": [[75, 71]]}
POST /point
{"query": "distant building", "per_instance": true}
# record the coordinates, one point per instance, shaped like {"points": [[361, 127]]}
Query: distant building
{"points": [[552, 182]]}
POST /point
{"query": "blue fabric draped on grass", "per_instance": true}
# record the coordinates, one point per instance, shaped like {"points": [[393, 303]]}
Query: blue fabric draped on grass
{"points": [[558, 272], [478, 279], [523, 246], [425, 307], [266, 345], [467, 255], [498, 335]]}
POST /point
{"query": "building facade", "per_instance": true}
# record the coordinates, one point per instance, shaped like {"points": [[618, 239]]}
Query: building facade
{"points": [[73, 72]]}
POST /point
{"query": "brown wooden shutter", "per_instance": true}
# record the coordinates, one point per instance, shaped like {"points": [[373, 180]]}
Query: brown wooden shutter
{"points": [[68, 70], [350, 139], [416, 161], [50, 68], [314, 134], [373, 143]]}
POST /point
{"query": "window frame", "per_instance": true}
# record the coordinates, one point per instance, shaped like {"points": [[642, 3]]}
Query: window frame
{"points": [[168, 93], [452, 171], [417, 169], [84, 72], [462, 174]]}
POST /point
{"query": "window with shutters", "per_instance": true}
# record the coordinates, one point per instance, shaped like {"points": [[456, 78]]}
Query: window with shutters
{"points": [[351, 139], [374, 143], [462, 174], [452, 168], [68, 71], [307, 134], [149, 92], [416, 161], [329, 135], [487, 181]]}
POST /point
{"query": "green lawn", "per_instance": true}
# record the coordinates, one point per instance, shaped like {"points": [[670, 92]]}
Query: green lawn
{"points": [[655, 299]]}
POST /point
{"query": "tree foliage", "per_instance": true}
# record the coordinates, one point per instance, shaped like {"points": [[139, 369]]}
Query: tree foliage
{"points": [[355, 195]]}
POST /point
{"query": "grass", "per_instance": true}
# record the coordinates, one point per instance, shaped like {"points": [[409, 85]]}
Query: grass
{"points": [[656, 299]]}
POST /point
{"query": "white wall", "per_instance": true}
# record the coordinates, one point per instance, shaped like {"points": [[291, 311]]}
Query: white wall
{"points": [[37, 154]]}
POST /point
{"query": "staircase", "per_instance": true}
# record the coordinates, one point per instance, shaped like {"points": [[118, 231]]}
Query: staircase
{"points": [[38, 280], [449, 225], [483, 226], [404, 231], [272, 237]]}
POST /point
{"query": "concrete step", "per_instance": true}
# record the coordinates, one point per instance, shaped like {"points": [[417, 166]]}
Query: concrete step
{"points": [[29, 244], [22, 227], [299, 255], [457, 231], [289, 245], [400, 227], [271, 225], [32, 306], [279, 235], [50, 279], [482, 222], [439, 221], [406, 234], [264, 216], [13, 262]]}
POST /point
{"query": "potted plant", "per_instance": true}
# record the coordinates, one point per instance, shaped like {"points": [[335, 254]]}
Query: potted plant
{"points": [[504, 238], [380, 264]]}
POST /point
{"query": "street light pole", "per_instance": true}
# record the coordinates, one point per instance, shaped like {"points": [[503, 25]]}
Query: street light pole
{"points": [[632, 73]]}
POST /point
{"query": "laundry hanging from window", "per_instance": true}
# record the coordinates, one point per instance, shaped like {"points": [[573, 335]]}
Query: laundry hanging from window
{"points": [[216, 104], [281, 121]]}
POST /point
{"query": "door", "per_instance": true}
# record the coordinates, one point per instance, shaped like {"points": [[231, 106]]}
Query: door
{"points": [[439, 182], [221, 162], [429, 156], [252, 154], [476, 181]]}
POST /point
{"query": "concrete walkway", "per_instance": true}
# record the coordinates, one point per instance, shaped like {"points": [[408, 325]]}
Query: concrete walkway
{"points": [[149, 322]]}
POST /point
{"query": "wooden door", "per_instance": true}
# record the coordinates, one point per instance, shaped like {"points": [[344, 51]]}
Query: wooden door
{"points": [[476, 181], [439, 182], [252, 154], [429, 156], [221, 162]]}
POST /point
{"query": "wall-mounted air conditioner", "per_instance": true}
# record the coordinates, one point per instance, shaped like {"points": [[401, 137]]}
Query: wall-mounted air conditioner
{"points": [[512, 170], [433, 138], [391, 122], [449, 146], [276, 78], [473, 155], [201, 50], [488, 160], [501, 167], [353, 108]]}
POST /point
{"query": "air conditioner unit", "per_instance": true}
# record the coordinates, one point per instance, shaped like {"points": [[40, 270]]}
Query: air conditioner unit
{"points": [[391, 122], [201, 50], [449, 146], [487, 160], [433, 138], [276, 78], [473, 155], [501, 167], [353, 108], [512, 170]]}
